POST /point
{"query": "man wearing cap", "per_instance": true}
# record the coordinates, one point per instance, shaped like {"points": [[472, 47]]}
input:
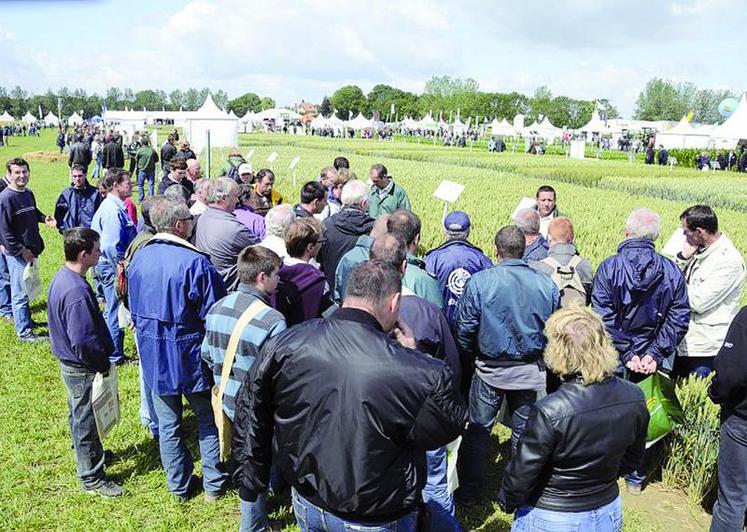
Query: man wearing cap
{"points": [[246, 176], [455, 261]]}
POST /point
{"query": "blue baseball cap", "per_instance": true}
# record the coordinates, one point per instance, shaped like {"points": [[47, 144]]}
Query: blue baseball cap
{"points": [[456, 221]]}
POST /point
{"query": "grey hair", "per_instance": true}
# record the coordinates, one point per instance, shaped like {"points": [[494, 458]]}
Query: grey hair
{"points": [[165, 213], [202, 186], [457, 235], [220, 189], [528, 221], [354, 192], [177, 192], [643, 223], [278, 219]]}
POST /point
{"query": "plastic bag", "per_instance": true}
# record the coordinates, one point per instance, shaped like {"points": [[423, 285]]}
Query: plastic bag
{"points": [[105, 400], [31, 279], [663, 406], [452, 454]]}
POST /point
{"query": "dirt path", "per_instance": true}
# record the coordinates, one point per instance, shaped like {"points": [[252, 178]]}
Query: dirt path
{"points": [[668, 511]]}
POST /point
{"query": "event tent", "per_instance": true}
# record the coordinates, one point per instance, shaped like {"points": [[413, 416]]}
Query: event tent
{"points": [[501, 128], [595, 125], [728, 134], [6, 117], [518, 123], [427, 122], [75, 119], [224, 130], [409, 123], [51, 119], [682, 135], [360, 122], [549, 131], [29, 118], [458, 127]]}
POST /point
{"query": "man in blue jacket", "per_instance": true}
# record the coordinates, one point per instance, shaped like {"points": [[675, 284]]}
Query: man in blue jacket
{"points": [[642, 298], [172, 286], [455, 261], [78, 202], [499, 323], [81, 342]]}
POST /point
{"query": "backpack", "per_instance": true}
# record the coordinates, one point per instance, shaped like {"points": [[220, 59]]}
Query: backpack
{"points": [[568, 281], [233, 172]]}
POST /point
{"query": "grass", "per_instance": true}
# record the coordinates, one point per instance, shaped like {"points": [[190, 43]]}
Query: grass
{"points": [[38, 487]]}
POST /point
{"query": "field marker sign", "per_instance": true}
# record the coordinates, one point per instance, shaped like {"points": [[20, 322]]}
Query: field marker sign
{"points": [[448, 192]]}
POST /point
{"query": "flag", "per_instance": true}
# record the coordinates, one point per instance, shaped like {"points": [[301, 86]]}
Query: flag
{"points": [[350, 114], [40, 112], [391, 112]]}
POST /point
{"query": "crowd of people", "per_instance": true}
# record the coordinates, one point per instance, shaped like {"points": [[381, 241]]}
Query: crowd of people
{"points": [[344, 365]]}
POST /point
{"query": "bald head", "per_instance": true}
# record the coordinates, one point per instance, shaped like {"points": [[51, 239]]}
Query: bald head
{"points": [[390, 250]]}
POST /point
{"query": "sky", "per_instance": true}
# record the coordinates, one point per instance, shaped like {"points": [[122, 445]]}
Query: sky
{"points": [[293, 50]]}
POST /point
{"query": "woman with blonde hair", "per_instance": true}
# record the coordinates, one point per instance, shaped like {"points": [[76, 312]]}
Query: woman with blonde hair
{"points": [[579, 439]]}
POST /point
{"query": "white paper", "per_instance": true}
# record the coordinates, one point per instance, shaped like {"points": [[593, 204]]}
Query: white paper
{"points": [[675, 244], [525, 203], [448, 191], [271, 158], [294, 162], [249, 155]]}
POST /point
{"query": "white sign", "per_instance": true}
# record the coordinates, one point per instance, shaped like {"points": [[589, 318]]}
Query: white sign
{"points": [[448, 191], [294, 162], [249, 155], [525, 203], [271, 158], [675, 244], [578, 149]]}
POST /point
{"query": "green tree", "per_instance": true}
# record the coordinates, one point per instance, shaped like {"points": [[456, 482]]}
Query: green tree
{"points": [[245, 102], [176, 99], [348, 101], [18, 105], [266, 103], [540, 104], [705, 105], [325, 109], [192, 99], [663, 100], [150, 99], [220, 98]]}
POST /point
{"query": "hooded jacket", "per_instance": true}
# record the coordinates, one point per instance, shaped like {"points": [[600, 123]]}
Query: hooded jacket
{"points": [[642, 298], [341, 232], [299, 293], [76, 207]]}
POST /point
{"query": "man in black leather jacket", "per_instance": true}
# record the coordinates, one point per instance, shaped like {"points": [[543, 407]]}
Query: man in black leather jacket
{"points": [[581, 438], [352, 408]]}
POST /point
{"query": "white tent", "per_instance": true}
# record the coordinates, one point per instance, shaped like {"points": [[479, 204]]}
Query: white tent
{"points": [[548, 130], [51, 119], [682, 135], [409, 123], [734, 128], [595, 125], [224, 130], [518, 123], [427, 122], [6, 117], [531, 130], [232, 114], [458, 127], [501, 128], [29, 118], [75, 119], [360, 122]]}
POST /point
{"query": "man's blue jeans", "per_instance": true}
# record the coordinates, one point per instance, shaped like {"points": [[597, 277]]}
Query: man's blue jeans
{"points": [[730, 507], [311, 518], [436, 493], [175, 457], [484, 405], [89, 454], [254, 515], [107, 276], [607, 518], [142, 177], [147, 411], [18, 298], [6, 310]]}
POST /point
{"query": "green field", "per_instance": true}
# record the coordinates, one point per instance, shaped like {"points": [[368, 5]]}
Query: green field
{"points": [[38, 488]]}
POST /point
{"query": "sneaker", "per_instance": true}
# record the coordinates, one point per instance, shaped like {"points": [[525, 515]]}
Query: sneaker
{"points": [[108, 488], [633, 489], [214, 496], [33, 338]]}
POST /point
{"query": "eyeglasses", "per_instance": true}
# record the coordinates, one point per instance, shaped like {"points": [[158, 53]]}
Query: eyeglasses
{"points": [[191, 218], [321, 241]]}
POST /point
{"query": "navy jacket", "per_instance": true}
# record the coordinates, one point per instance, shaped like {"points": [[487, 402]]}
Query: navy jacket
{"points": [[642, 298], [75, 207], [503, 311], [453, 263], [537, 250]]}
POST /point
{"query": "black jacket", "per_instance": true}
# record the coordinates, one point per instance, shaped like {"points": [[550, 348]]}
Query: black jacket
{"points": [[352, 413], [577, 441], [729, 385], [341, 232], [113, 156], [80, 153], [168, 152]]}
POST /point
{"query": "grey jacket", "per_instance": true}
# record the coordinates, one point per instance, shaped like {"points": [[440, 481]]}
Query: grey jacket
{"points": [[222, 236]]}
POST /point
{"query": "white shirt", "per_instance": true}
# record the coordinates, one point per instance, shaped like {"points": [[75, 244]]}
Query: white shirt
{"points": [[197, 208]]}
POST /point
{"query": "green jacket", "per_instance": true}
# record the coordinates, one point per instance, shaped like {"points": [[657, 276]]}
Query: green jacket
{"points": [[146, 159], [235, 160], [421, 282], [396, 199]]}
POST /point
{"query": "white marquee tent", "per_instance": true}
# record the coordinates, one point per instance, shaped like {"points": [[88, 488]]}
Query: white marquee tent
{"points": [[458, 127], [6, 117], [549, 131], [29, 118], [224, 130], [682, 135], [51, 119], [427, 122], [409, 123], [595, 125], [75, 119], [518, 123], [734, 128], [360, 122]]}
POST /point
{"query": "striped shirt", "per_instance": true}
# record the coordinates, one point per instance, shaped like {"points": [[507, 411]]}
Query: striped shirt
{"points": [[219, 324]]}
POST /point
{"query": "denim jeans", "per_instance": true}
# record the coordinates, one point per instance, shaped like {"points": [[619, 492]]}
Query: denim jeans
{"points": [[436, 493], [107, 276], [607, 518], [730, 507], [175, 456], [142, 177], [147, 411], [311, 518], [254, 515], [18, 298], [89, 454], [5, 307], [484, 405]]}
